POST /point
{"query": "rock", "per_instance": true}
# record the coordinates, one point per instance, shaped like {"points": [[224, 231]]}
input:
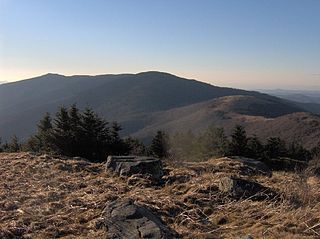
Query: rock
{"points": [[287, 164], [130, 165], [137, 180], [80, 159], [250, 166], [241, 188], [245, 237], [13, 233], [125, 219]]}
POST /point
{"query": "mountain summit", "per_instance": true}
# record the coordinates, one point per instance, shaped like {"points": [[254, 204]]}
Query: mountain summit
{"points": [[141, 103]]}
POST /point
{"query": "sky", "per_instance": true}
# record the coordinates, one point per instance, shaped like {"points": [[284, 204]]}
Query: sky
{"points": [[249, 44]]}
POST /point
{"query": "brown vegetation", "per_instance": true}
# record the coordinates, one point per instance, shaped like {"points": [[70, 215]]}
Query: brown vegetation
{"points": [[48, 197], [255, 114]]}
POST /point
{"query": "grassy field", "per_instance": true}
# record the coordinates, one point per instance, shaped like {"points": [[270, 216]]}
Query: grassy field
{"points": [[48, 197]]}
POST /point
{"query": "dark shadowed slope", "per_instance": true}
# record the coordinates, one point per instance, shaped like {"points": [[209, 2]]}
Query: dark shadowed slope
{"points": [[131, 99]]}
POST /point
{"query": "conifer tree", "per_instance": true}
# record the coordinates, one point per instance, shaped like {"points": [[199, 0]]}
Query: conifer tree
{"points": [[14, 145], [159, 145], [1, 148], [255, 148], [275, 148], [61, 133], [134, 147], [239, 140], [42, 140], [95, 136], [117, 144], [75, 132], [298, 152]]}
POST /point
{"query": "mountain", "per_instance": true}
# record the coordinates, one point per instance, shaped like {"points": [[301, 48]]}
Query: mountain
{"points": [[303, 96], [249, 111], [2, 82], [141, 102], [307, 99]]}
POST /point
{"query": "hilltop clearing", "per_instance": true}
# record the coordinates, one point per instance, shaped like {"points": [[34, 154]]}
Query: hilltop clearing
{"points": [[56, 197]]}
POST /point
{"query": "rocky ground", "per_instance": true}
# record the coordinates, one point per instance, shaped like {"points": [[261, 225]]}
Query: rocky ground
{"points": [[49, 197]]}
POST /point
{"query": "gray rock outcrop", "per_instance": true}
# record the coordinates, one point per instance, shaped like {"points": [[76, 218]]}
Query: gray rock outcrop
{"points": [[130, 165], [125, 219], [241, 188]]}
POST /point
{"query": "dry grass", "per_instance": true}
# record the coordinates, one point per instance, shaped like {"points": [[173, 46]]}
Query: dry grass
{"points": [[46, 197]]}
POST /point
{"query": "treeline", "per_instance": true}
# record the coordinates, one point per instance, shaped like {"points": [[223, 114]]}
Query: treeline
{"points": [[73, 132], [83, 133], [12, 146], [214, 143]]}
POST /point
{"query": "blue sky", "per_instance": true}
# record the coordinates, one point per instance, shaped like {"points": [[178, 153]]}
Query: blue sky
{"points": [[247, 43]]}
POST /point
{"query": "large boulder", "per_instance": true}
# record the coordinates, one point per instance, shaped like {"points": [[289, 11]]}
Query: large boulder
{"points": [[130, 165], [125, 219], [241, 188]]}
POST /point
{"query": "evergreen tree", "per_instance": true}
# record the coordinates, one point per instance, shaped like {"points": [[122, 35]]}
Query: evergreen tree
{"points": [[14, 145], [275, 148], [298, 152], [1, 148], [134, 147], [159, 146], [75, 132], [117, 144], [5, 147], [61, 133], [42, 140], [96, 139], [239, 140], [255, 148]]}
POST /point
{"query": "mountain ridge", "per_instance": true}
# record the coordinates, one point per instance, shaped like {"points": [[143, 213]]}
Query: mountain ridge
{"points": [[136, 101]]}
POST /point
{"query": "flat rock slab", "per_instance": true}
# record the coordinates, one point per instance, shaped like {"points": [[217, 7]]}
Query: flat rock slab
{"points": [[125, 219], [241, 188], [130, 165]]}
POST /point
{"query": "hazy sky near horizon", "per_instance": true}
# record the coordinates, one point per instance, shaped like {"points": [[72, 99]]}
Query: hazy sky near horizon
{"points": [[246, 44]]}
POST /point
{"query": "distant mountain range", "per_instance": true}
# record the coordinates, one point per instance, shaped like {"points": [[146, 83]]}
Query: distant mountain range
{"points": [[303, 96], [308, 99], [148, 101]]}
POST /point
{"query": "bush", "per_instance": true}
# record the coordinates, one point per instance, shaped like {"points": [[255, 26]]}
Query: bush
{"points": [[188, 146]]}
